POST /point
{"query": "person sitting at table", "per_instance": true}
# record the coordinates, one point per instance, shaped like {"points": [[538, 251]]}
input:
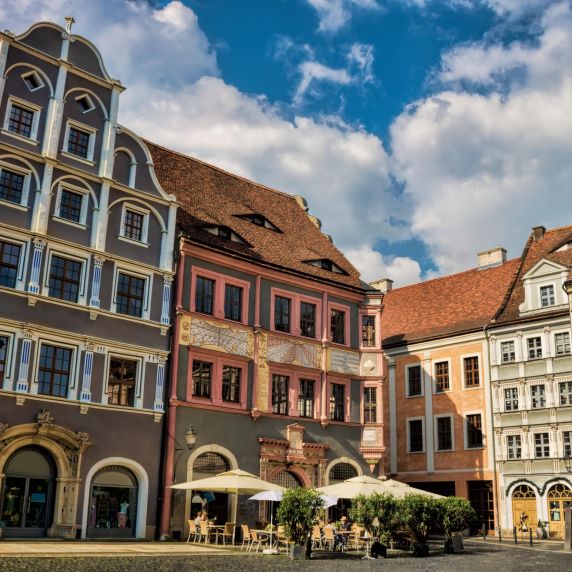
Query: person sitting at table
{"points": [[341, 540]]}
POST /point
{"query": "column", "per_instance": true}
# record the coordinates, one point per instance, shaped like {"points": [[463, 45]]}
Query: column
{"points": [[3, 56], [166, 308], [41, 212], [99, 230], [392, 417], [98, 261], [429, 439], [168, 238], [85, 394], [158, 404], [34, 284], [22, 381]]}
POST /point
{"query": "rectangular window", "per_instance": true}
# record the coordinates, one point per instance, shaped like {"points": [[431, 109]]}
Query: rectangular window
{"points": [[133, 225], [442, 377], [202, 378], [71, 205], [370, 405], [567, 442], [9, 261], [233, 302], [368, 331], [541, 445], [21, 120], [64, 279], [3, 358], [204, 295], [280, 394], [534, 347], [507, 352], [337, 405], [471, 370], [11, 186], [307, 320], [562, 343], [415, 435], [547, 296], [538, 396], [514, 447], [511, 399], [565, 391], [474, 431], [231, 384], [54, 370], [78, 142], [282, 314], [130, 295], [337, 326], [414, 380], [444, 434], [122, 381], [306, 398]]}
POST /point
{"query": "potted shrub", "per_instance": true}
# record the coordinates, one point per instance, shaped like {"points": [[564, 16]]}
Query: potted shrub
{"points": [[420, 514], [455, 514], [297, 512], [383, 506]]}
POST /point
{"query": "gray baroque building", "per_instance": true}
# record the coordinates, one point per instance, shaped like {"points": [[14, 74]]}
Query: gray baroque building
{"points": [[86, 268]]}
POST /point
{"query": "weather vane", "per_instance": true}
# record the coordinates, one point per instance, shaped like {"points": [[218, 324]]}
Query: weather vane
{"points": [[70, 21]]}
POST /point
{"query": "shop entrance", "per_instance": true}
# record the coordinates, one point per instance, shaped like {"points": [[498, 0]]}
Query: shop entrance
{"points": [[559, 498], [524, 514], [27, 496]]}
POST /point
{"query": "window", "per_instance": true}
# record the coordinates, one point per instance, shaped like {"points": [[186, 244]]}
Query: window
{"points": [[259, 220], [133, 225], [565, 390], [204, 295], [79, 142], [280, 394], [122, 381], [474, 431], [71, 206], [231, 384], [368, 331], [442, 376], [414, 387], [85, 103], [534, 347], [306, 398], [562, 343], [32, 81], [233, 302], [21, 119], [471, 371], [12, 186], [54, 370], [9, 262], [3, 358], [444, 434], [202, 377], [567, 442], [547, 296], [130, 295], [511, 399], [307, 320], [282, 314], [64, 279], [507, 352], [541, 445], [337, 326], [370, 405], [415, 435], [337, 399], [538, 396], [514, 447]]}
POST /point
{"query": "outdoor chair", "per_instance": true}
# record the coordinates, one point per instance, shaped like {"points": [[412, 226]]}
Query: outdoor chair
{"points": [[257, 539], [192, 531], [205, 531], [329, 538], [354, 540], [317, 537], [281, 539], [246, 538], [228, 532]]}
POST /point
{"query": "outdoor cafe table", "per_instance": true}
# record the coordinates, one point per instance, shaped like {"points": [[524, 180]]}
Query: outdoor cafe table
{"points": [[216, 528]]}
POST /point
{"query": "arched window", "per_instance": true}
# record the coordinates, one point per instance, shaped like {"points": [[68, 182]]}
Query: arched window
{"points": [[342, 472], [286, 479], [523, 492], [211, 463]]}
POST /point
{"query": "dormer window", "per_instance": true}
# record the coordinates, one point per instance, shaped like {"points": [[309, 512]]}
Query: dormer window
{"points": [[85, 103], [259, 220], [226, 233], [32, 81], [327, 264], [547, 296]]}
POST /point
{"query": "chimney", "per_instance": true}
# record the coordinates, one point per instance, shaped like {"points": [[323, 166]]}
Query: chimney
{"points": [[493, 257], [383, 285], [538, 233]]}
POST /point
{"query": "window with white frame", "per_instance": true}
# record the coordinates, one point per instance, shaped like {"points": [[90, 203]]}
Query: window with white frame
{"points": [[14, 185], [32, 80], [415, 436], [538, 396], [130, 294], [547, 296], [444, 433], [541, 445], [85, 103], [511, 399], [565, 392], [134, 223], [562, 343], [514, 447], [22, 118], [79, 140], [54, 370], [9, 263], [567, 443], [65, 278], [414, 385], [71, 205], [534, 346], [507, 352], [4, 346], [471, 371], [442, 377], [122, 381]]}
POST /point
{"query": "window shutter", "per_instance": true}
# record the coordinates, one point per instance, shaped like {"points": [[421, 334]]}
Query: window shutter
{"points": [[145, 230], [26, 190], [123, 215], [35, 122], [84, 205], [67, 137], [91, 146], [58, 202]]}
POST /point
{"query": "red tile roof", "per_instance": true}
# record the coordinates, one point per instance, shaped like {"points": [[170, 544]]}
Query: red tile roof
{"points": [[210, 196], [445, 306]]}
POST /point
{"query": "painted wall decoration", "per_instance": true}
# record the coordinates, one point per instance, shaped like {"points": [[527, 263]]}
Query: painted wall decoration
{"points": [[344, 362], [294, 352]]}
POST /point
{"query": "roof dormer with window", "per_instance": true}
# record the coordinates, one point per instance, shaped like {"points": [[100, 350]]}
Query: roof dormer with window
{"points": [[543, 287]]}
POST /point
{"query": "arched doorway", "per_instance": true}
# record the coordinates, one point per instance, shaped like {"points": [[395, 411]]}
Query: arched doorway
{"points": [[206, 465], [559, 498], [113, 502], [524, 508], [27, 503], [339, 473]]}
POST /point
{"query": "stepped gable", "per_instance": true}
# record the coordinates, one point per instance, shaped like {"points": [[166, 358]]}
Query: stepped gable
{"points": [[534, 251], [455, 304]]}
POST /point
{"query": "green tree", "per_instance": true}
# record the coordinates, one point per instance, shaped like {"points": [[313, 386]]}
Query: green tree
{"points": [[298, 511], [383, 506], [456, 514], [420, 514]]}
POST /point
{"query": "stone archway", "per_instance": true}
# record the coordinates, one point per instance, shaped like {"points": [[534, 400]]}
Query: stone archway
{"points": [[66, 449]]}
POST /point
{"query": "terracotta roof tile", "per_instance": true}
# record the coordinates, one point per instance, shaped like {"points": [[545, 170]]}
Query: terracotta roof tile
{"points": [[210, 196]]}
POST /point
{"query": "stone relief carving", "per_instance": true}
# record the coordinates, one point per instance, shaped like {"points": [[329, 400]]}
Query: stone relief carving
{"points": [[44, 417], [344, 362]]}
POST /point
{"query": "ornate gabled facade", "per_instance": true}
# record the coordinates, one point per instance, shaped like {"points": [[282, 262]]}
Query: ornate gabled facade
{"points": [[86, 269]]}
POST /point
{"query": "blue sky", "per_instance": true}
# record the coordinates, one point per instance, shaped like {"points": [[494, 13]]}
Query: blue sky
{"points": [[419, 131]]}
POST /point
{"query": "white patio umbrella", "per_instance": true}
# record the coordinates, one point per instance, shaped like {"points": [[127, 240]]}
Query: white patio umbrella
{"points": [[236, 482]]}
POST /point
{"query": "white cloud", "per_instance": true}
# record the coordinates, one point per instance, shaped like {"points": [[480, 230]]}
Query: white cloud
{"points": [[362, 56], [314, 71], [335, 14]]}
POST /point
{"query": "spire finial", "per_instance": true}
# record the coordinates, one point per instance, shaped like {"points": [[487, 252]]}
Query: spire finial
{"points": [[70, 21]]}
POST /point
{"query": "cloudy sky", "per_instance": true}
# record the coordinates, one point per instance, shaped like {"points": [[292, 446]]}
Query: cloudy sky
{"points": [[419, 131]]}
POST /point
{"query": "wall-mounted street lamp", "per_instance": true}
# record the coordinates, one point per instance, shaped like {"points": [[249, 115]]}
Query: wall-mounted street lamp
{"points": [[190, 437], [567, 459]]}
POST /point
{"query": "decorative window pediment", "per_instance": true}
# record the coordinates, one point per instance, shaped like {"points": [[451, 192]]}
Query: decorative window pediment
{"points": [[543, 286]]}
